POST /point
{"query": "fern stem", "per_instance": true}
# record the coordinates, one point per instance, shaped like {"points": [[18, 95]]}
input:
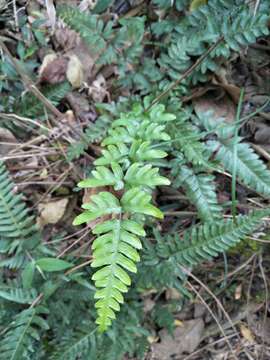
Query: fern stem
{"points": [[234, 170]]}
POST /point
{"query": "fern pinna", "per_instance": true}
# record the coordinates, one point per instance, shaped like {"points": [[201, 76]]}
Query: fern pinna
{"points": [[125, 165]]}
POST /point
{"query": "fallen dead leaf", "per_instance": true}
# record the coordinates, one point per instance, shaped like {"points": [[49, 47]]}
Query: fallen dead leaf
{"points": [[87, 4], [51, 13], [178, 322], [221, 107], [46, 61], [6, 141], [98, 90], [75, 72], [238, 292], [54, 70], [185, 339], [172, 294], [246, 333], [51, 212], [233, 90]]}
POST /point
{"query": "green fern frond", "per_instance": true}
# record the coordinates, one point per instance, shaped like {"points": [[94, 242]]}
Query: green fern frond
{"points": [[207, 241], [162, 261], [94, 133], [234, 21], [91, 29], [113, 153], [249, 168], [201, 191], [20, 296], [115, 248], [18, 342], [30, 106], [85, 345], [15, 262], [16, 226]]}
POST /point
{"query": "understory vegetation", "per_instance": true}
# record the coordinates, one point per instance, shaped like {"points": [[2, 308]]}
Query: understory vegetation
{"points": [[119, 177]]}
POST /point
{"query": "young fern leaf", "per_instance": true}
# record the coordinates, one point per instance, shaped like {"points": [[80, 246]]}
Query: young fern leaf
{"points": [[124, 165]]}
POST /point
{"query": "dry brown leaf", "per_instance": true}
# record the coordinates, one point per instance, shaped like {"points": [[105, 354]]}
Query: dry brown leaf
{"points": [[46, 61], [87, 4], [246, 333], [221, 107], [65, 38], [6, 138], [172, 294], [75, 72], [51, 212], [98, 90], [51, 13], [54, 70], [233, 90], [238, 292], [71, 44], [185, 339]]}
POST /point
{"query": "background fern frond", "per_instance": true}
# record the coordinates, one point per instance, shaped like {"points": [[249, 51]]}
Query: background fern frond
{"points": [[201, 191], [249, 168], [30, 106], [162, 261], [18, 342], [17, 227]]}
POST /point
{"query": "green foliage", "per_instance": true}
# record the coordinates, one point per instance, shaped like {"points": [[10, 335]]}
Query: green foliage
{"points": [[92, 134], [249, 168], [17, 229], [201, 191], [18, 342], [115, 248], [51, 300], [232, 152], [30, 106], [231, 20], [166, 260], [119, 47]]}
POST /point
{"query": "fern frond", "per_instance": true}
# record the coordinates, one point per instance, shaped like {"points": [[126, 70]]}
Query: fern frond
{"points": [[17, 343], [201, 192], [249, 168], [94, 133], [16, 226], [85, 345], [187, 140], [234, 21], [91, 29], [113, 153], [138, 175], [20, 296], [206, 241], [162, 261], [30, 106], [115, 248]]}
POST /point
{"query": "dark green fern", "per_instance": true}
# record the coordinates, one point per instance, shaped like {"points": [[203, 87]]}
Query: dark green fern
{"points": [[17, 228]]}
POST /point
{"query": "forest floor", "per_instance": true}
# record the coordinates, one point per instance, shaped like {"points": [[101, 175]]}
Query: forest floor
{"points": [[230, 310]]}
